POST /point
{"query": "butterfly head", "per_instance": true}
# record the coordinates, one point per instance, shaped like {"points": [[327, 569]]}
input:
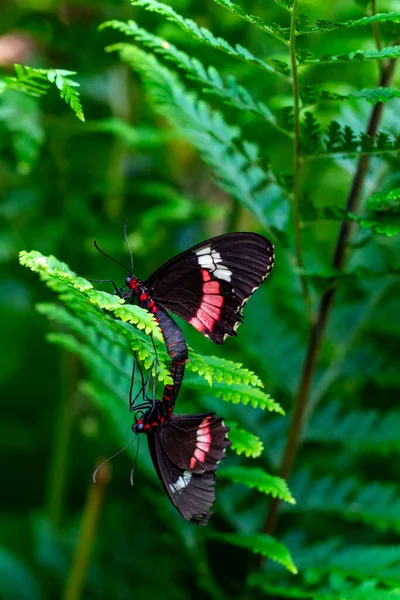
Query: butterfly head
{"points": [[132, 283]]}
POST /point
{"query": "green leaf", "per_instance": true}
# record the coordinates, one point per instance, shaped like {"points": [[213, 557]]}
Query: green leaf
{"points": [[265, 545], [215, 368], [305, 25], [357, 56], [231, 391], [385, 200], [212, 81], [375, 503], [375, 95], [205, 36], [244, 442], [237, 163], [338, 588], [280, 33], [255, 477], [36, 82], [363, 430], [17, 582]]}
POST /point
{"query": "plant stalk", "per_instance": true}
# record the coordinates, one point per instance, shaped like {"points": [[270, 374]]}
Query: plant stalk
{"points": [[325, 307], [297, 159], [81, 560]]}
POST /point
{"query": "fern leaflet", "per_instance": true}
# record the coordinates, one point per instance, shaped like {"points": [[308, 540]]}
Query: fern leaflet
{"points": [[260, 544], [231, 92], [206, 37], [357, 56], [36, 82], [238, 170], [244, 442], [254, 477]]}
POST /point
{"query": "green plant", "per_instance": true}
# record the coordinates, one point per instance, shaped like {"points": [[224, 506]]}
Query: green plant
{"points": [[286, 210], [296, 118]]}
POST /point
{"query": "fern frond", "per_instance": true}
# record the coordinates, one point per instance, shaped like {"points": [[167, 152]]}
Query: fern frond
{"points": [[254, 477], [86, 318], [377, 504], [60, 278], [357, 56], [244, 442], [361, 430], [338, 588], [259, 544], [379, 562], [36, 82], [280, 33], [205, 36], [215, 368], [212, 81], [305, 25], [234, 392], [311, 95], [384, 215], [342, 141], [238, 169]]}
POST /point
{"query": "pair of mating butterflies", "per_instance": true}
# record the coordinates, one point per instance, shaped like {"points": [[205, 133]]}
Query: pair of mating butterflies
{"points": [[207, 285]]}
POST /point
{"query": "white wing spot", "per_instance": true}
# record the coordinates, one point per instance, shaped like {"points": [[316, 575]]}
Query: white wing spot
{"points": [[212, 261], [181, 482]]}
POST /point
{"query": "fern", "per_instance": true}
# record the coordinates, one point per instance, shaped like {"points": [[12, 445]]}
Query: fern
{"points": [[280, 33], [260, 544], [236, 392], [233, 382], [311, 95], [206, 37], [338, 140], [238, 168], [338, 588], [36, 82], [376, 504], [231, 92], [305, 25], [259, 479], [357, 56], [384, 213], [361, 430], [244, 442]]}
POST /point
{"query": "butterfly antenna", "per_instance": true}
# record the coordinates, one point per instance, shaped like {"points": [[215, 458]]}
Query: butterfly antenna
{"points": [[127, 242], [113, 456], [110, 257], [131, 477]]}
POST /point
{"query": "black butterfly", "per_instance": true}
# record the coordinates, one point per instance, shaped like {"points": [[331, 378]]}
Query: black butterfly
{"points": [[185, 450], [207, 285]]}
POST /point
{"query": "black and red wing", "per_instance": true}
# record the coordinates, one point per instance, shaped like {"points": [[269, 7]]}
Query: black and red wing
{"points": [[195, 442], [192, 494], [208, 284], [174, 447]]}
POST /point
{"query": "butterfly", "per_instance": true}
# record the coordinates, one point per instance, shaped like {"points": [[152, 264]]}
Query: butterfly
{"points": [[186, 451], [207, 285]]}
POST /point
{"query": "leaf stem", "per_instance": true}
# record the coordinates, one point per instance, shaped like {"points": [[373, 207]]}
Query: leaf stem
{"points": [[297, 158], [318, 328], [90, 518]]}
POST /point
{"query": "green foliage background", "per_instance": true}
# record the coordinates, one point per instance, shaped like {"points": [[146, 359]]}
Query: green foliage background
{"points": [[180, 169]]}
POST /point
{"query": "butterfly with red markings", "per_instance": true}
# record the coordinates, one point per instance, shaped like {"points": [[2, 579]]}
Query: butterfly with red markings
{"points": [[208, 284], [186, 451]]}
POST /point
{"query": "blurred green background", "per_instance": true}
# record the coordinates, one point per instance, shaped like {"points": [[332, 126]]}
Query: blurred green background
{"points": [[64, 183]]}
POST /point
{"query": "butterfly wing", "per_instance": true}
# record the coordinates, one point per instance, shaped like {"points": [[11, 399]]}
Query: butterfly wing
{"points": [[195, 442], [208, 284], [192, 494]]}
